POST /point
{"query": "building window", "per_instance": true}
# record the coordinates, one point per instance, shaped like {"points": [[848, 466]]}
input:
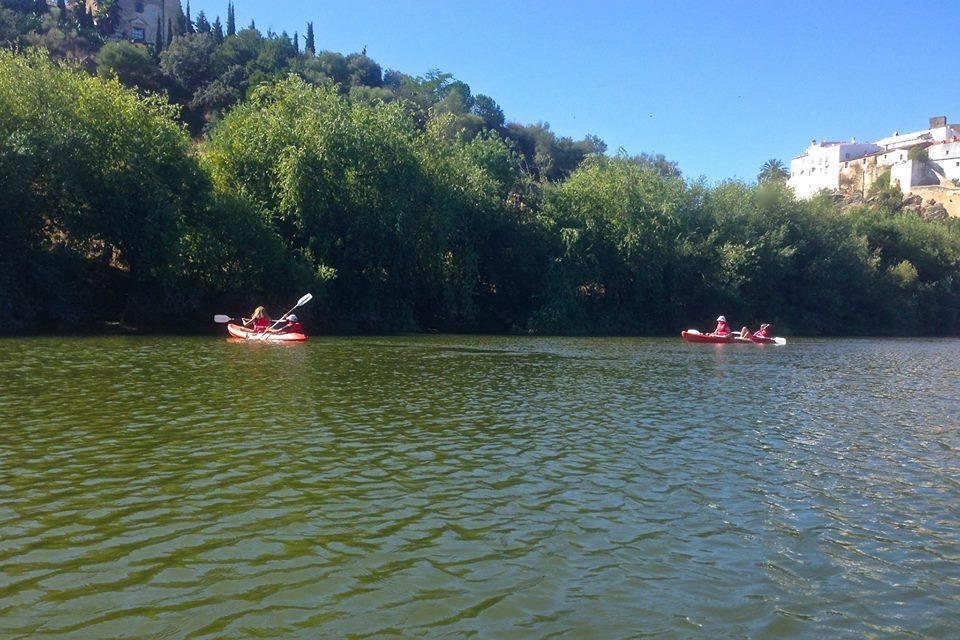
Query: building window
{"points": [[846, 156], [138, 7], [137, 34]]}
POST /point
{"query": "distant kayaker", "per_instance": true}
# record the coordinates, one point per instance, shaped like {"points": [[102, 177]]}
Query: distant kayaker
{"points": [[293, 325], [723, 329], [260, 320], [763, 331], [745, 333]]}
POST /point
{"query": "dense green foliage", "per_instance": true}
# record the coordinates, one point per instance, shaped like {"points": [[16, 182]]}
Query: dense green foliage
{"points": [[106, 212], [403, 203]]}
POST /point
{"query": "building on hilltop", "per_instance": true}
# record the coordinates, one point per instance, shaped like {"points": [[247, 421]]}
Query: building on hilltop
{"points": [[819, 166], [137, 20], [852, 167]]}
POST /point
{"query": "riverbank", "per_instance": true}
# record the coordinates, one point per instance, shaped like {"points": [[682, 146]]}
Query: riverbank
{"points": [[445, 231]]}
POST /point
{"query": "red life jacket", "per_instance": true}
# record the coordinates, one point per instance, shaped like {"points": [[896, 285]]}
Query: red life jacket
{"points": [[722, 327], [293, 327], [261, 324], [761, 333]]}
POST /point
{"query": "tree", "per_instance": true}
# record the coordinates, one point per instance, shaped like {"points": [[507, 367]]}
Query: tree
{"points": [[231, 20], [773, 170], [61, 12], [659, 163], [83, 17], [217, 31], [456, 97], [40, 7], [487, 108], [224, 92], [188, 22], [169, 32], [363, 71], [74, 132], [296, 41], [189, 60], [158, 39], [130, 64], [308, 46], [203, 25], [919, 154]]}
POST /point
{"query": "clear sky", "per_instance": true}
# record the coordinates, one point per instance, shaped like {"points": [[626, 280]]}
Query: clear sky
{"points": [[719, 87]]}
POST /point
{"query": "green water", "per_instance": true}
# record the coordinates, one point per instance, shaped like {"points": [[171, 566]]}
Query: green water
{"points": [[450, 487]]}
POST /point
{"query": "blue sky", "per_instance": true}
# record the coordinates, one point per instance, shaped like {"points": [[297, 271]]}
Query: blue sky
{"points": [[719, 87]]}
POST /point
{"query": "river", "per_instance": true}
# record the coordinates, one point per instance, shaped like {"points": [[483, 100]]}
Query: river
{"points": [[494, 487]]}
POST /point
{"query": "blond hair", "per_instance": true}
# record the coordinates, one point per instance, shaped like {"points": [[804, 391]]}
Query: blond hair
{"points": [[260, 312]]}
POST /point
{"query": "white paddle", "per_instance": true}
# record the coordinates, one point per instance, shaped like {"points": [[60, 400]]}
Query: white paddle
{"points": [[302, 301], [220, 318]]}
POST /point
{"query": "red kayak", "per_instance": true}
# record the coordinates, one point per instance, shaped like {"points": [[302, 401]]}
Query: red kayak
{"points": [[692, 335], [237, 331]]}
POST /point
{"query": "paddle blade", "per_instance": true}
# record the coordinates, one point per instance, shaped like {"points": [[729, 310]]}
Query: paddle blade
{"points": [[305, 299], [221, 318], [693, 331], [780, 341]]}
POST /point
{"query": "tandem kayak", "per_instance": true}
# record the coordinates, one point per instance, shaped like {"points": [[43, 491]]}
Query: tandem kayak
{"points": [[692, 335], [236, 331]]}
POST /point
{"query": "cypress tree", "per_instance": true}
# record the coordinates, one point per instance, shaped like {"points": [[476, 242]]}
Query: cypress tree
{"points": [[296, 42], [39, 7], [189, 23], [253, 24], [231, 20], [62, 8], [217, 31], [169, 32], [158, 40], [308, 41], [203, 26]]}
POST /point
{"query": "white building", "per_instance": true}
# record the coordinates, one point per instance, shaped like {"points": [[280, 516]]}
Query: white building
{"points": [[819, 166], [832, 166], [938, 132], [946, 156]]}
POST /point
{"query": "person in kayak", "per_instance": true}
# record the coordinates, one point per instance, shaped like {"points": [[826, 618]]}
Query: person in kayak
{"points": [[763, 331], [723, 329], [260, 320], [293, 325], [745, 333]]}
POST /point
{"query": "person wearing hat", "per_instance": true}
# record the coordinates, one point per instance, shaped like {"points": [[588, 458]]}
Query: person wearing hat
{"points": [[723, 329], [292, 326]]}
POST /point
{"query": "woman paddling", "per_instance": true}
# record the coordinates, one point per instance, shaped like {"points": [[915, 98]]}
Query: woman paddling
{"points": [[260, 320]]}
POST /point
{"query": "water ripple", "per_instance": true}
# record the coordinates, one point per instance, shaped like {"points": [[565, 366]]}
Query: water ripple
{"points": [[490, 487]]}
